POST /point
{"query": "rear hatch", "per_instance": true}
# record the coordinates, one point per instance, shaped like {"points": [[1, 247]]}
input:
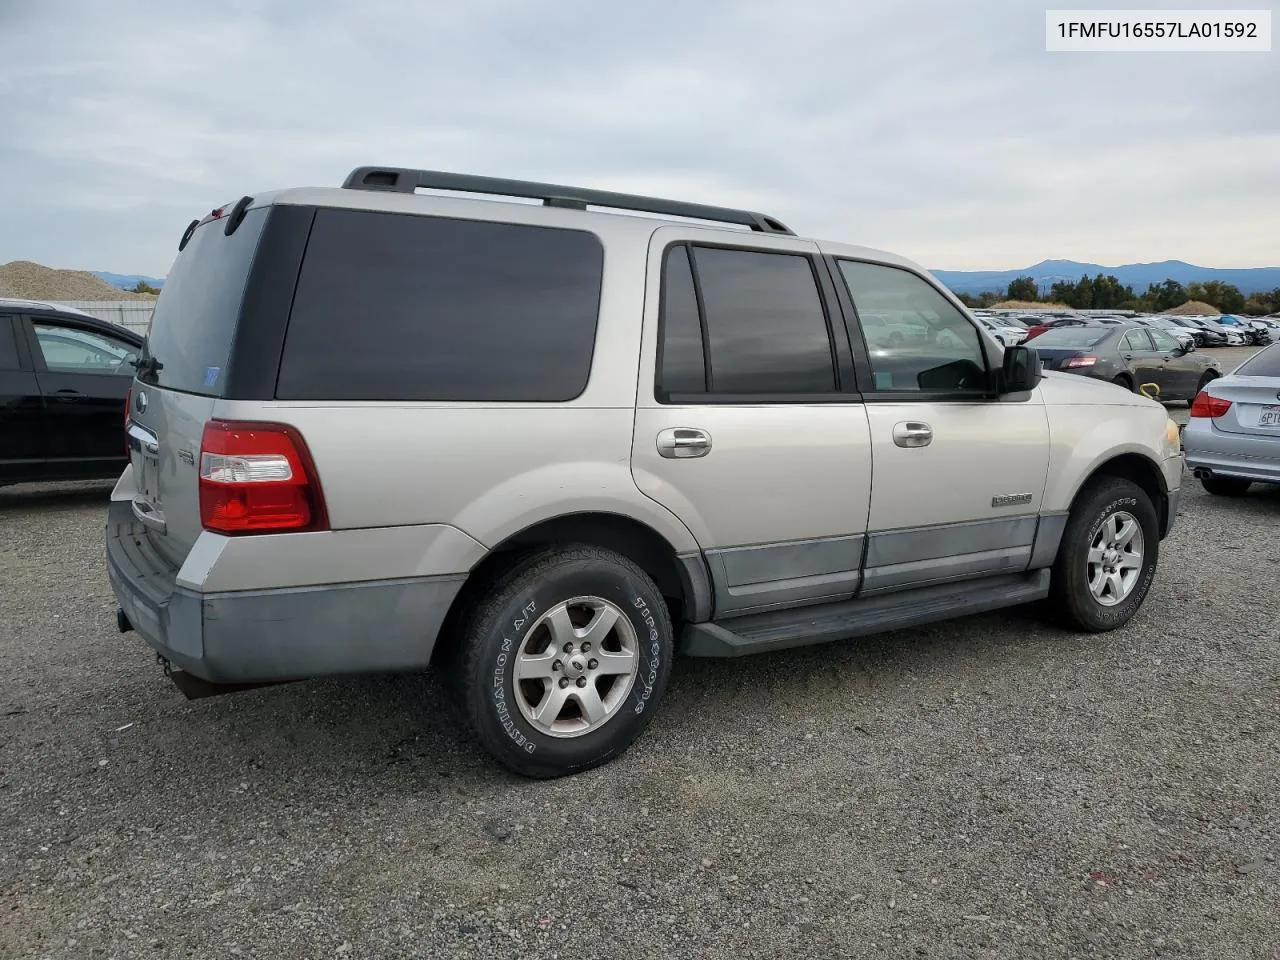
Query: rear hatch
{"points": [[183, 372]]}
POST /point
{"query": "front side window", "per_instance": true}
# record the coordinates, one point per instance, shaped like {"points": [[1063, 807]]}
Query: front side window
{"points": [[766, 331], [70, 350], [916, 339]]}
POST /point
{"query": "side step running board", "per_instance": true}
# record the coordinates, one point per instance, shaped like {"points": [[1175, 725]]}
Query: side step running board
{"points": [[783, 629]]}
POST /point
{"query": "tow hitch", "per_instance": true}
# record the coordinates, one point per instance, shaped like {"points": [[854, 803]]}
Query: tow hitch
{"points": [[193, 688]]}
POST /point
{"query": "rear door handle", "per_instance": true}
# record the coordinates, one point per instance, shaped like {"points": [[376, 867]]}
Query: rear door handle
{"points": [[679, 443], [912, 433], [67, 395]]}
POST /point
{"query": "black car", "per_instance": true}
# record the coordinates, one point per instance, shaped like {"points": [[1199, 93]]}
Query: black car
{"points": [[64, 377], [1130, 356]]}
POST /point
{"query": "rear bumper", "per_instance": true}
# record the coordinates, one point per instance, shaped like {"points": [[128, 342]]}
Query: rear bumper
{"points": [[279, 634], [1225, 454]]}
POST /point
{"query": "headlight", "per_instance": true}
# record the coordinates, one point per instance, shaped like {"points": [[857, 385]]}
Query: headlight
{"points": [[1172, 439]]}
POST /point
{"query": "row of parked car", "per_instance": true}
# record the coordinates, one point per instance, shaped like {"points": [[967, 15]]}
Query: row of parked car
{"points": [[1222, 331]]}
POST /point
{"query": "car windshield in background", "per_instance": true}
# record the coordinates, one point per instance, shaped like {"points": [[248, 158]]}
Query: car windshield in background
{"points": [[1069, 337], [1265, 363]]}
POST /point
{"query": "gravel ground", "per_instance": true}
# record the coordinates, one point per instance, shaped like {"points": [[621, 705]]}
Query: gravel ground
{"points": [[988, 787]]}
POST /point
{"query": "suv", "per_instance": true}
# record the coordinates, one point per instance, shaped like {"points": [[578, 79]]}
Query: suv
{"points": [[547, 447]]}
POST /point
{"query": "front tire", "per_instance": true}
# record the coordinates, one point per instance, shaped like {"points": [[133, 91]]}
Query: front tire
{"points": [[1108, 555], [1225, 486], [564, 660]]}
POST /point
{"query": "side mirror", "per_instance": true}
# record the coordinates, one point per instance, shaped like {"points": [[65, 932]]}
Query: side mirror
{"points": [[1020, 370]]}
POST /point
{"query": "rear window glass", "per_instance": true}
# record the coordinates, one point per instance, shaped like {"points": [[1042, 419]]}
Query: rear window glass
{"points": [[398, 307], [195, 318], [1070, 337], [1265, 363]]}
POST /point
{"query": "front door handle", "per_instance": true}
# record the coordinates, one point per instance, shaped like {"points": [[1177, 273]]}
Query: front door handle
{"points": [[677, 443], [912, 433]]}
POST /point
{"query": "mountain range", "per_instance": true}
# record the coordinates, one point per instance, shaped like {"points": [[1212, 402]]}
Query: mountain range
{"points": [[127, 281], [1045, 274], [1136, 275]]}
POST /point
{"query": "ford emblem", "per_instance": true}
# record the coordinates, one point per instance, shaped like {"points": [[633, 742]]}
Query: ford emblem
{"points": [[140, 402]]}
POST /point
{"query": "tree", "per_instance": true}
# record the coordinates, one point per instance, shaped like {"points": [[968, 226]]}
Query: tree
{"points": [[144, 287], [1023, 288], [1255, 306], [1108, 294], [1167, 295], [1225, 296]]}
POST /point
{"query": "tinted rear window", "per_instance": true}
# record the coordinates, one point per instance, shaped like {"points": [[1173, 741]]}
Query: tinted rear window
{"points": [[398, 307], [195, 318], [1265, 363], [1070, 337]]}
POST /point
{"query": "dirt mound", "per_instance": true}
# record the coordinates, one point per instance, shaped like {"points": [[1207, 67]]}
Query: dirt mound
{"points": [[1194, 308], [34, 281], [1027, 305]]}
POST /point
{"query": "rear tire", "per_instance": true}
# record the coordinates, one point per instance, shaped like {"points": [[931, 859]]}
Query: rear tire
{"points": [[1097, 586], [1124, 381], [1205, 380], [542, 710], [1225, 486]]}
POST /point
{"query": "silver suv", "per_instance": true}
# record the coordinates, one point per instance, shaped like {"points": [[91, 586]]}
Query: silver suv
{"points": [[546, 447]]}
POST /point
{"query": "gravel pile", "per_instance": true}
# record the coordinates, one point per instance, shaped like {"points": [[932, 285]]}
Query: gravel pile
{"points": [[34, 281], [1193, 308], [991, 787]]}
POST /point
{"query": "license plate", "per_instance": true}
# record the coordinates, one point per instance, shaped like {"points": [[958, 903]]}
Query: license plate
{"points": [[1269, 416]]}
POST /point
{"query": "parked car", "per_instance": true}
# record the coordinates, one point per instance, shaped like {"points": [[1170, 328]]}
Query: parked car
{"points": [[1215, 335], [63, 380], [1232, 438], [547, 446], [1129, 356], [1232, 336], [1008, 335], [1054, 323], [1181, 334], [1202, 336]]}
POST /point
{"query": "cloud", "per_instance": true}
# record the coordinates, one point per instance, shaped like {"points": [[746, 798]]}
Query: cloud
{"points": [[941, 130]]}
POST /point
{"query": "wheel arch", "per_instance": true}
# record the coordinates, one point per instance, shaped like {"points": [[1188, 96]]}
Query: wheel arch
{"points": [[682, 578], [1138, 469]]}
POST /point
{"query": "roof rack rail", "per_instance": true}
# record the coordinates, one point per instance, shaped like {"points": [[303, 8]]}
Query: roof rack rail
{"points": [[401, 180]]}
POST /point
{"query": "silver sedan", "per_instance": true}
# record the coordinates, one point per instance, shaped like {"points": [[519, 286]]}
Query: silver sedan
{"points": [[1232, 438]]}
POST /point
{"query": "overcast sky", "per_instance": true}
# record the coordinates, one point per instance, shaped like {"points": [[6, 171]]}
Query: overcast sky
{"points": [[941, 130]]}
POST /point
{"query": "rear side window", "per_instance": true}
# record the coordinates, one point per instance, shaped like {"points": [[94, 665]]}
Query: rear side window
{"points": [[742, 323], [683, 367], [1265, 363], [1137, 340], [195, 318], [398, 307]]}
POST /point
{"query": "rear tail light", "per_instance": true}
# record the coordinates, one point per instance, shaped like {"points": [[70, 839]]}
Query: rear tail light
{"points": [[1036, 331], [1079, 362], [258, 478], [1206, 406]]}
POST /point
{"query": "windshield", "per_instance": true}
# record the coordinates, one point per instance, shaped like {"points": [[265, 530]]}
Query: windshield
{"points": [[1070, 337]]}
